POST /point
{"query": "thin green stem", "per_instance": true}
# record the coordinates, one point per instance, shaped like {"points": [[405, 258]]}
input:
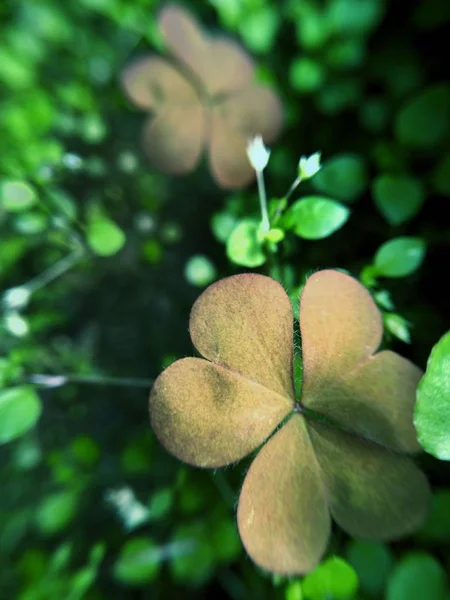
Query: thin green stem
{"points": [[265, 221], [56, 270], [51, 381], [293, 187]]}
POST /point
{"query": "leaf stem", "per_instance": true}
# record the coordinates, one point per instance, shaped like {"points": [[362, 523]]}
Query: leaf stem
{"points": [[54, 381], [265, 221], [293, 187], [54, 271]]}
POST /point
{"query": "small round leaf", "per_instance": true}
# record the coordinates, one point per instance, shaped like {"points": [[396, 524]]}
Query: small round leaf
{"points": [[243, 245], [398, 197], [16, 196], [315, 217], [419, 575], [104, 237], [334, 578], [344, 177], [372, 562], [20, 408], [139, 562], [425, 120], [399, 257]]}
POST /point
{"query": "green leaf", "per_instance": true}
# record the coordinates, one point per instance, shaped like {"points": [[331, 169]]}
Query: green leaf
{"points": [[399, 257], [20, 409], [419, 575], [306, 74], [432, 412], [334, 578], [315, 217], [294, 591], [343, 177], [437, 526], [104, 237], [56, 511], [194, 561], [398, 197], [160, 504], [139, 562], [441, 176], [16, 196], [259, 28], [397, 326], [222, 225], [425, 120], [199, 271], [244, 246], [372, 561]]}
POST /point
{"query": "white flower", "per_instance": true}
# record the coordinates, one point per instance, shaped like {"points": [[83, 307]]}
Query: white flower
{"points": [[257, 153], [309, 166], [16, 297]]}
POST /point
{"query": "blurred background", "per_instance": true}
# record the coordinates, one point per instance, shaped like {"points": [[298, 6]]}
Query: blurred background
{"points": [[102, 256]]}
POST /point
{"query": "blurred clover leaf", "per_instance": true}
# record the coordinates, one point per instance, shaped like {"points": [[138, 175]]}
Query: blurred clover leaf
{"points": [[334, 578], [315, 217], [340, 449], [399, 257], [425, 120], [418, 575], [20, 409], [398, 197], [343, 176], [432, 412], [210, 101]]}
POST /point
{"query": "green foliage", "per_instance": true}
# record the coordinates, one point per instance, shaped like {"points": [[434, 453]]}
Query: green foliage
{"points": [[432, 415], [56, 511], [139, 562], [399, 257], [315, 217], [437, 527], [424, 121], [104, 237], [343, 176], [82, 339], [398, 198], [372, 561], [334, 578], [20, 409], [244, 246], [199, 271], [16, 196], [417, 575]]}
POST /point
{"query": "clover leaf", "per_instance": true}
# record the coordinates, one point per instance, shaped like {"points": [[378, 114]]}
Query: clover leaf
{"points": [[339, 451], [218, 107]]}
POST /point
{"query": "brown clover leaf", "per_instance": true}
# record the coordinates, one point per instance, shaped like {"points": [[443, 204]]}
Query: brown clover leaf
{"points": [[341, 450], [208, 100]]}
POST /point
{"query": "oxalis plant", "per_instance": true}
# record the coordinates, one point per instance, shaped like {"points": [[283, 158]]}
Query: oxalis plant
{"points": [[341, 448]]}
